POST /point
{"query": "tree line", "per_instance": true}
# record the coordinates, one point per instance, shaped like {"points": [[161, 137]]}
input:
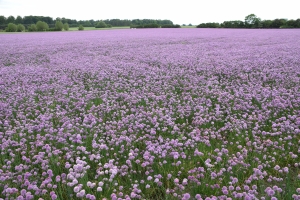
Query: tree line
{"points": [[39, 26], [252, 21], [28, 21]]}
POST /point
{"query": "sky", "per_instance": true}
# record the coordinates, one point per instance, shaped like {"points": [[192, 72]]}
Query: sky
{"points": [[178, 11]]}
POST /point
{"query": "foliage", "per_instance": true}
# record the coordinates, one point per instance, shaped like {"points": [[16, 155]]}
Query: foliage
{"points": [[19, 20], [34, 19], [277, 23], [52, 29], [20, 28], [101, 24], [11, 27], [80, 28], [10, 19], [153, 25], [32, 28], [66, 26], [59, 25], [2, 20], [266, 23], [145, 26], [209, 25], [252, 21], [42, 26], [233, 24], [170, 26]]}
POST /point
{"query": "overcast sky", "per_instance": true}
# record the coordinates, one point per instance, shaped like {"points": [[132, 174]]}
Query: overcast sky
{"points": [[179, 11]]}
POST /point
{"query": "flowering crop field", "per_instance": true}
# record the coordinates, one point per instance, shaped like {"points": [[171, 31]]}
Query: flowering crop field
{"points": [[150, 114]]}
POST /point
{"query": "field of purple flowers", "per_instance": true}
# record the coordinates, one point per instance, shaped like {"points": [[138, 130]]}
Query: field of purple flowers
{"points": [[150, 114]]}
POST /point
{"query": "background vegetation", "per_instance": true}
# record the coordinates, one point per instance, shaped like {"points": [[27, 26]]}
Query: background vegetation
{"points": [[42, 23], [58, 24], [252, 21]]}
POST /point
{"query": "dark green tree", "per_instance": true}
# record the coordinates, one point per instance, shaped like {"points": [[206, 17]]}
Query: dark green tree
{"points": [[66, 26], [291, 23], [20, 28], [101, 24], [266, 23], [209, 25], [28, 20], [11, 27], [19, 20], [252, 21], [32, 28], [42, 26], [170, 26], [87, 24], [80, 28], [277, 23], [233, 24], [297, 23], [10, 19], [59, 25], [2, 20]]}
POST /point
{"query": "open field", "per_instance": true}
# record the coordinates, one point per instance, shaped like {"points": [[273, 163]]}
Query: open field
{"points": [[150, 114], [93, 28], [194, 26]]}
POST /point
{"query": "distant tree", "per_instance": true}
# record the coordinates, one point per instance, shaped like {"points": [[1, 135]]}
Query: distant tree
{"points": [[11, 27], [101, 24], [19, 20], [183, 24], [266, 23], [277, 23], [92, 22], [87, 24], [48, 20], [20, 28], [118, 22], [252, 21], [80, 28], [152, 25], [2, 20], [170, 26], [291, 23], [233, 24], [28, 20], [66, 26], [32, 28], [59, 25], [190, 24], [10, 19], [209, 25], [297, 23], [42, 26], [164, 22]]}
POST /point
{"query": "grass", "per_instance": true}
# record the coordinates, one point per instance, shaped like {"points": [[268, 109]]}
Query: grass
{"points": [[93, 28], [194, 26]]}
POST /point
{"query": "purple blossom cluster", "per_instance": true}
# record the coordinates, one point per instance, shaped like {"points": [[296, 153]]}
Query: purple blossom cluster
{"points": [[150, 114]]}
